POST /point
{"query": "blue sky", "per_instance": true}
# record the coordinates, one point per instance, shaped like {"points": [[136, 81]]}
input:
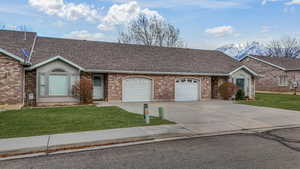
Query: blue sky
{"points": [[204, 24]]}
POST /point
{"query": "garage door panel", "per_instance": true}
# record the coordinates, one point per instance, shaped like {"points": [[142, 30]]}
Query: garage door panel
{"points": [[137, 90], [187, 90]]}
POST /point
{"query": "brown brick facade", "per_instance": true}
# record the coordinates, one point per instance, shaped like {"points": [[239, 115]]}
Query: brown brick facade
{"points": [[216, 83], [271, 74], [11, 81], [30, 87], [164, 86]]}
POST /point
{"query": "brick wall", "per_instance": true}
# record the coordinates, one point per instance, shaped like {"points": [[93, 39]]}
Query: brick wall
{"points": [[294, 76], [30, 87], [11, 81], [271, 76], [164, 86], [216, 83]]}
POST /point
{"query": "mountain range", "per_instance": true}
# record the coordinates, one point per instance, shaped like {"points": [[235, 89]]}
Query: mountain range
{"points": [[239, 51]]}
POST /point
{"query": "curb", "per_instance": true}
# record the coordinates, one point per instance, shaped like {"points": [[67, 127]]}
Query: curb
{"points": [[89, 146]]}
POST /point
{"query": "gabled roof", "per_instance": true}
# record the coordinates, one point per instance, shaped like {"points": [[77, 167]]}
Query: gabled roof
{"points": [[92, 56], [245, 68], [280, 63], [53, 59], [104, 56]]}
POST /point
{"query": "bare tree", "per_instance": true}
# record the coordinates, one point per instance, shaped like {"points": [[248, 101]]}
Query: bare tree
{"points": [[151, 31], [286, 47]]}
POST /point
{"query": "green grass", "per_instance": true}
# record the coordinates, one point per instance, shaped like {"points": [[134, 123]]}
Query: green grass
{"points": [[283, 101], [43, 121]]}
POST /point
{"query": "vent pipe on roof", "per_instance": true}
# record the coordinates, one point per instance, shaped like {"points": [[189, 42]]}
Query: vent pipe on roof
{"points": [[32, 48]]}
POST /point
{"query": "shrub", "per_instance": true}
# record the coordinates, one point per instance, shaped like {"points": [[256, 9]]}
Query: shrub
{"points": [[240, 95], [227, 90], [84, 89]]}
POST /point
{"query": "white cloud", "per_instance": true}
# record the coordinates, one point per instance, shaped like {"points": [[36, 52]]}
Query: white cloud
{"points": [[85, 35], [264, 2], [293, 2], [123, 14], [68, 11], [209, 4], [289, 9], [59, 24], [220, 31], [265, 29]]}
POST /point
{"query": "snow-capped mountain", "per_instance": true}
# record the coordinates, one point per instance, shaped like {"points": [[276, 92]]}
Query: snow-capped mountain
{"points": [[239, 51]]}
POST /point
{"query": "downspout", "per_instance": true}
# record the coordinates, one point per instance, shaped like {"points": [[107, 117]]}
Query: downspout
{"points": [[24, 94]]}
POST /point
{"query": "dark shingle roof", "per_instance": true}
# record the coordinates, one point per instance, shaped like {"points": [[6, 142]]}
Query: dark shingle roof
{"points": [[14, 41], [125, 57], [286, 63], [118, 57]]}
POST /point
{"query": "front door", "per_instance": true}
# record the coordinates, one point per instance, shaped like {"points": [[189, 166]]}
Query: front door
{"points": [[241, 83], [98, 87]]}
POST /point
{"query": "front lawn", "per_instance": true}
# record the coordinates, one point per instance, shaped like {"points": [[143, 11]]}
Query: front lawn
{"points": [[43, 121], [283, 101]]}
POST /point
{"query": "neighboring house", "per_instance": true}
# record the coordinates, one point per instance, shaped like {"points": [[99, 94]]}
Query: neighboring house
{"points": [[278, 74], [119, 72]]}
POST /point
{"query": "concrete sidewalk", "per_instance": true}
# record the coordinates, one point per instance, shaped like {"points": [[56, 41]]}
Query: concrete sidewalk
{"points": [[35, 144]]}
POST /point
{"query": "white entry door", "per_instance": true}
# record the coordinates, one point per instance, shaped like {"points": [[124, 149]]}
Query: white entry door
{"points": [[137, 90], [187, 90], [98, 92]]}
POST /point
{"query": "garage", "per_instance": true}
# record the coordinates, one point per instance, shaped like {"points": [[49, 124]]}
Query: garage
{"points": [[187, 90], [137, 90]]}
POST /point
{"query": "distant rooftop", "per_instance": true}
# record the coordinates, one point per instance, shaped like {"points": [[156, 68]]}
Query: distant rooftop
{"points": [[286, 63]]}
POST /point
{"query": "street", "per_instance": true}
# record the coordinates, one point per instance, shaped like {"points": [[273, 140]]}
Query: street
{"points": [[278, 149]]}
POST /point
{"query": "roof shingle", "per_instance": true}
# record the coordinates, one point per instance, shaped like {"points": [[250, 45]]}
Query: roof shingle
{"points": [[107, 56], [14, 41], [286, 63], [126, 57]]}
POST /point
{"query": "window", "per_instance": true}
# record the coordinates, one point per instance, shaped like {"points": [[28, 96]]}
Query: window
{"points": [[42, 84], [97, 81], [58, 70], [58, 85], [283, 80], [240, 83]]}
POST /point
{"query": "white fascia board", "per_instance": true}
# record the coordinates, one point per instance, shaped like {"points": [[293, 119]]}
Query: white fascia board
{"points": [[266, 62], [12, 55], [244, 67], [158, 73], [53, 59]]}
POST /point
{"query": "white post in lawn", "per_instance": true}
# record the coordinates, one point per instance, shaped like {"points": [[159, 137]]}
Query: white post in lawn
{"points": [[146, 113]]}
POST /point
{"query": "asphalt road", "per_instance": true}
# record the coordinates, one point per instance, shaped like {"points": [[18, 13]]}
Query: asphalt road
{"points": [[274, 150]]}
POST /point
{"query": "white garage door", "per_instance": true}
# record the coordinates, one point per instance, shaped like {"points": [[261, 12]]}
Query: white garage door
{"points": [[137, 90], [187, 90]]}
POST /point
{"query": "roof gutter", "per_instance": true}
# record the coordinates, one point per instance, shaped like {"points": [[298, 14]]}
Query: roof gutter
{"points": [[156, 73], [13, 56], [293, 69]]}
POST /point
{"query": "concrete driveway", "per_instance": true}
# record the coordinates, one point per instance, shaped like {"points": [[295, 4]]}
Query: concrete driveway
{"points": [[218, 116]]}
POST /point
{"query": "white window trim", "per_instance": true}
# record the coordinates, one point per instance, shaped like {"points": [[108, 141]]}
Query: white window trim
{"points": [[47, 74], [285, 83]]}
